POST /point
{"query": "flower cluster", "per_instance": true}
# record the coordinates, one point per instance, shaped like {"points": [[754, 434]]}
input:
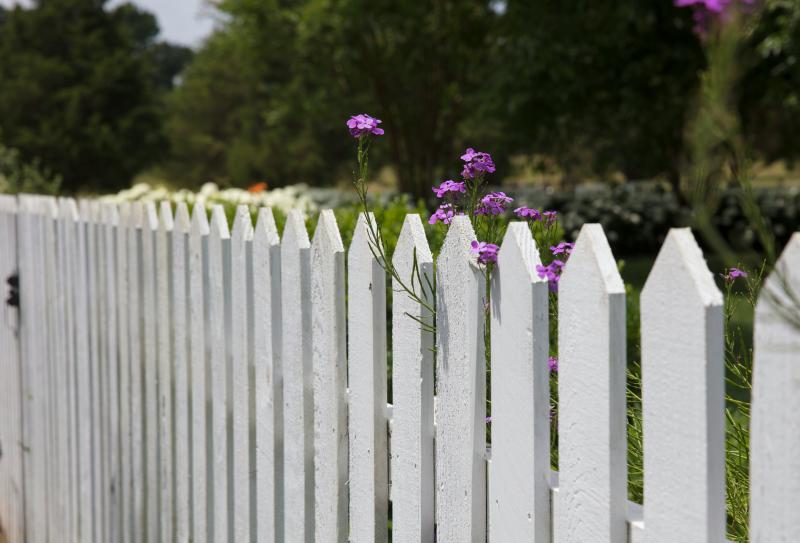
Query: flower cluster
{"points": [[563, 248], [444, 213], [364, 125], [551, 272], [450, 186], [487, 252], [552, 363], [493, 203], [476, 164], [547, 217]]}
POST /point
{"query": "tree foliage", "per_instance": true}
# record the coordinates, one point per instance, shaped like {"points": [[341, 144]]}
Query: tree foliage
{"points": [[80, 90]]}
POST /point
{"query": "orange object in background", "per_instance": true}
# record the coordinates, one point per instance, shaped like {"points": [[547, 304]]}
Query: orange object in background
{"points": [[258, 187]]}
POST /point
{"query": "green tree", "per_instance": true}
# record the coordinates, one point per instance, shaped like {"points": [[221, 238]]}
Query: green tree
{"points": [[79, 92]]}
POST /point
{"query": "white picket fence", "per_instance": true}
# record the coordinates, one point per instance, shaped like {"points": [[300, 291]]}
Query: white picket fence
{"points": [[168, 380]]}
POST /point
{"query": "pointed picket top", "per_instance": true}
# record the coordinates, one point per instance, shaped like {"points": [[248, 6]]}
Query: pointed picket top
{"points": [[775, 427], [67, 209], [95, 208], [200, 224], [218, 226], [362, 238], [112, 214], [683, 396], [460, 439], [294, 232], [150, 218], [242, 224], [519, 493], [84, 208], [680, 262], [265, 228], [183, 223], [592, 255], [50, 206], [412, 240], [518, 249], [136, 216], [124, 210], [8, 203], [326, 236], [166, 221], [592, 496]]}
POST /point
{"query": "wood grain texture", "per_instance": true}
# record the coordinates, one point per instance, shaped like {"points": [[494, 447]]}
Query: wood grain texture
{"points": [[412, 389], [461, 382], [592, 369], [683, 397], [329, 362], [367, 377], [775, 437], [519, 490], [297, 381]]}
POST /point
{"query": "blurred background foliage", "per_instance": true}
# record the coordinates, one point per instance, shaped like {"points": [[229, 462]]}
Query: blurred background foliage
{"points": [[559, 92]]}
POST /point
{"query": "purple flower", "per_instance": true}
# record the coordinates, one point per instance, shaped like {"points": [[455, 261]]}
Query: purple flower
{"points": [[449, 186], [493, 203], [487, 252], [549, 217], [732, 274], [363, 125], [477, 163], [551, 272], [563, 248], [552, 363], [708, 11], [444, 213], [528, 213]]}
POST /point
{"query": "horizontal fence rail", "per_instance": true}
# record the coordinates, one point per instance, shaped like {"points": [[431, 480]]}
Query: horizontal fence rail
{"points": [[166, 376]]}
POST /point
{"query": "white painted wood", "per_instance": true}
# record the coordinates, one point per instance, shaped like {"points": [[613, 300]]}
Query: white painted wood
{"points": [[149, 295], [123, 238], [683, 397], [165, 370], [68, 215], [180, 338], [519, 499], [241, 295], [218, 279], [775, 437], [412, 390], [592, 443], [298, 386], [11, 477], [366, 318], [461, 384], [268, 379], [111, 272], [330, 380], [136, 366], [199, 347]]}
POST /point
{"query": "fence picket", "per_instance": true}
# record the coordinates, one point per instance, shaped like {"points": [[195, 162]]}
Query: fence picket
{"points": [[241, 288], [519, 490], [267, 379], [110, 224], [165, 361], [329, 362], [180, 322], [412, 389], [461, 380], [11, 475], [592, 459], [124, 264], [297, 382], [367, 376], [200, 373], [775, 428], [683, 397], [218, 281]]}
